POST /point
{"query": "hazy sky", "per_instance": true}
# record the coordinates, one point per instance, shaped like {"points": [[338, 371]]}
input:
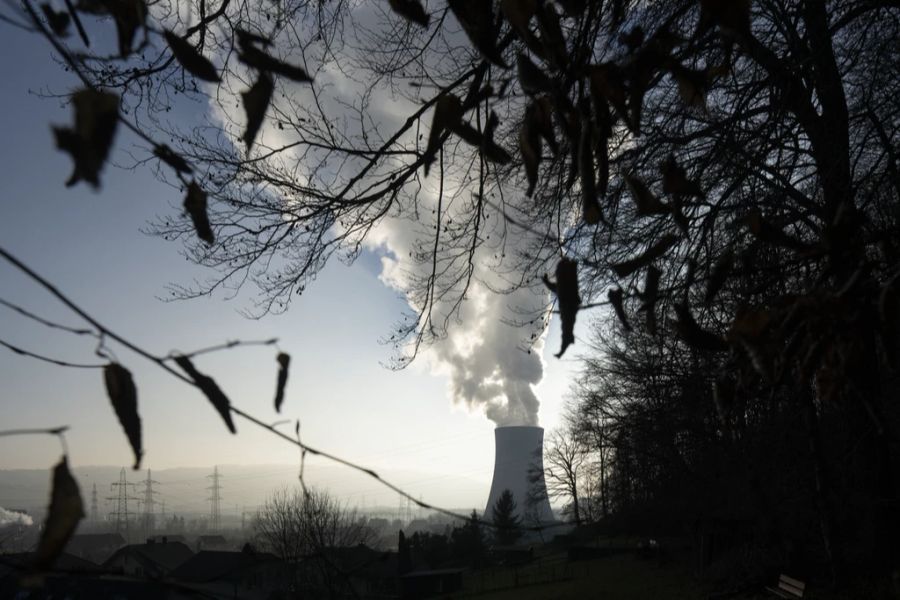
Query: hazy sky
{"points": [[89, 244]]}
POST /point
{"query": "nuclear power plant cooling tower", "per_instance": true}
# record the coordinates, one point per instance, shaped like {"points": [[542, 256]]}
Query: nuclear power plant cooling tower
{"points": [[519, 452]]}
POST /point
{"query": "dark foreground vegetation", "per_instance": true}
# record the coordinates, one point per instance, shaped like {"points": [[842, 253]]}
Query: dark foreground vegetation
{"points": [[722, 176]]}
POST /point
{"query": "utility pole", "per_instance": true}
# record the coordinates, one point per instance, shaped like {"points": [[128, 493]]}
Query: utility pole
{"points": [[215, 498], [121, 514], [147, 519]]}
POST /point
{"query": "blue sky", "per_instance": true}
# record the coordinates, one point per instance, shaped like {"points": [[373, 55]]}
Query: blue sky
{"points": [[89, 244]]}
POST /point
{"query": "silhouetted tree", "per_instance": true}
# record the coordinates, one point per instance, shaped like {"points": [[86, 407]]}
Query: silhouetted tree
{"points": [[505, 519]]}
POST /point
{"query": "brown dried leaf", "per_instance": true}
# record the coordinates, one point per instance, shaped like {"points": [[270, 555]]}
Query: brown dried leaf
{"points": [[540, 112], [256, 102], [123, 395], [447, 113], [168, 156], [252, 56], [568, 300], [693, 86], [65, 511], [532, 79], [58, 21], [210, 389], [518, 14], [675, 180], [645, 201], [615, 298], [411, 10], [195, 205], [626, 268], [590, 206], [718, 275], [89, 142], [189, 58], [284, 360], [650, 296], [530, 147], [477, 20], [694, 335]]}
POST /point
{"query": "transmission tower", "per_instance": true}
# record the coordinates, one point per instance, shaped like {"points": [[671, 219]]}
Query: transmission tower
{"points": [[215, 498], [121, 514], [94, 517], [147, 517]]}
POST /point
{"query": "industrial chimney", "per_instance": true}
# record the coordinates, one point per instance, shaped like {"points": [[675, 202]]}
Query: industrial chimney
{"points": [[519, 453]]}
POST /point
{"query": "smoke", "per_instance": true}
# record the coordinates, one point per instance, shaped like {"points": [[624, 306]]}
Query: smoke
{"points": [[491, 362], [10, 517], [491, 358]]}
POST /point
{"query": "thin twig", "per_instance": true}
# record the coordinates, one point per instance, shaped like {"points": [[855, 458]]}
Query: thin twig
{"points": [[54, 361], [43, 321]]}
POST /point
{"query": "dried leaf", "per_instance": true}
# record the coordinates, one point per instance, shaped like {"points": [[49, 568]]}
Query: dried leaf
{"points": [[626, 268], [65, 511], [675, 180], [615, 298], [540, 113], [210, 389], [650, 296], [447, 113], [518, 14], [89, 142], [634, 39], [123, 394], [411, 10], [530, 147], [256, 102], [195, 206], [608, 82], [254, 57], [284, 360], [645, 201], [168, 156], [532, 79], [694, 335], [552, 36], [590, 207], [731, 16], [568, 300], [189, 58], [718, 275], [129, 15], [693, 86], [477, 20], [760, 227], [491, 151], [58, 21]]}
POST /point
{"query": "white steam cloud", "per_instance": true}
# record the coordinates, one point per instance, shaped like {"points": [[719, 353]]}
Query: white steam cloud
{"points": [[11, 517], [492, 365]]}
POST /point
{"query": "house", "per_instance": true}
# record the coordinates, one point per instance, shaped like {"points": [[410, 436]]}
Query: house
{"points": [[95, 547], [152, 560], [246, 574]]}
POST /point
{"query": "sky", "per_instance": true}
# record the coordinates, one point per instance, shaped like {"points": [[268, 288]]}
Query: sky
{"points": [[90, 245]]}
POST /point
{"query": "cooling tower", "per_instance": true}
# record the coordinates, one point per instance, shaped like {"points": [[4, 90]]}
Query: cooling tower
{"points": [[519, 453]]}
